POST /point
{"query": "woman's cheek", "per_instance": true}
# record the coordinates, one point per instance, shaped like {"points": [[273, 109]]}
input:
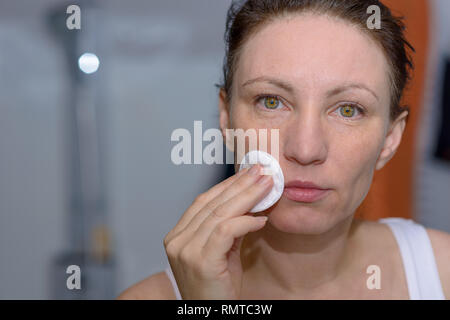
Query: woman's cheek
{"points": [[358, 136], [357, 151], [355, 161], [355, 144], [255, 117], [274, 119]]}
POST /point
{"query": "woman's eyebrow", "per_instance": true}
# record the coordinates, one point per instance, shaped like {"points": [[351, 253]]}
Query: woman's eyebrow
{"points": [[276, 82], [288, 87], [349, 86]]}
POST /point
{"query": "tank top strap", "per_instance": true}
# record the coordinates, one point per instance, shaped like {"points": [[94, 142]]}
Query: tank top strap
{"points": [[171, 277], [418, 258]]}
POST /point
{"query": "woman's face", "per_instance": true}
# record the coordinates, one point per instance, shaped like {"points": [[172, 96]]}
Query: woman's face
{"points": [[324, 84]]}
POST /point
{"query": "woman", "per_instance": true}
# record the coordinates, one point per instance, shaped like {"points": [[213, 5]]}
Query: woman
{"points": [[332, 86]]}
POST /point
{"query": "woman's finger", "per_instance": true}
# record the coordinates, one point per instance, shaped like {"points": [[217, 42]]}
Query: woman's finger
{"points": [[238, 186], [238, 205], [223, 236], [202, 200]]}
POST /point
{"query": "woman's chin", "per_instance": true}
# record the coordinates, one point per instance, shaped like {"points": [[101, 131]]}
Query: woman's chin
{"points": [[305, 218]]}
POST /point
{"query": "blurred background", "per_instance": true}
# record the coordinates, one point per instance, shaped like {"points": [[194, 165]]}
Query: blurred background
{"points": [[86, 176]]}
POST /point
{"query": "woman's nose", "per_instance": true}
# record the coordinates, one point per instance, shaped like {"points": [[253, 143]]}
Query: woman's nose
{"points": [[305, 140]]}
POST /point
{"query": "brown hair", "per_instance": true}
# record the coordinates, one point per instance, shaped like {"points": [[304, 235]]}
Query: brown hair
{"points": [[245, 18]]}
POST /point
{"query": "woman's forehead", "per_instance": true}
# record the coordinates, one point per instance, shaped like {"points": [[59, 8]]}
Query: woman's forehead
{"points": [[316, 51]]}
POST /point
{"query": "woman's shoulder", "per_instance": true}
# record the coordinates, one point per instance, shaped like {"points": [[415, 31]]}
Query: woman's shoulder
{"points": [[155, 287], [440, 241]]}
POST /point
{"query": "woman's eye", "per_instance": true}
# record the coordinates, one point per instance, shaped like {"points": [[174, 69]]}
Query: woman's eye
{"points": [[270, 102], [348, 110]]}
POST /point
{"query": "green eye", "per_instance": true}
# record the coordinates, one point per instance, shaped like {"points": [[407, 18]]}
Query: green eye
{"points": [[347, 110], [271, 102]]}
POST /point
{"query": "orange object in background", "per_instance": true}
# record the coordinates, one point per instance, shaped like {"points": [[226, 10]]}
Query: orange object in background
{"points": [[391, 193]]}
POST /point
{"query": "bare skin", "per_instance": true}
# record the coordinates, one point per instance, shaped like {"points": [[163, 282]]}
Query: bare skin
{"points": [[393, 286], [304, 251]]}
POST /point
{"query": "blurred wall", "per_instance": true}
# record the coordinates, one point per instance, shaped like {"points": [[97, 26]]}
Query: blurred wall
{"points": [[162, 61], [165, 82], [32, 184], [432, 184]]}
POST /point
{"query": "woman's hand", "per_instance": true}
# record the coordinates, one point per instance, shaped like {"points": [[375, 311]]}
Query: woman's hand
{"points": [[204, 247]]}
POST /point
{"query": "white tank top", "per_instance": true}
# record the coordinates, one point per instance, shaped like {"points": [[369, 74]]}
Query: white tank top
{"points": [[418, 260]]}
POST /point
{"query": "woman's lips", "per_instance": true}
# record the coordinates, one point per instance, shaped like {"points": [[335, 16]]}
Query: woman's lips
{"points": [[304, 194], [304, 191]]}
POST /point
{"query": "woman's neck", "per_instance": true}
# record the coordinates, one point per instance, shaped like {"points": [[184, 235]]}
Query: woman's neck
{"points": [[298, 263]]}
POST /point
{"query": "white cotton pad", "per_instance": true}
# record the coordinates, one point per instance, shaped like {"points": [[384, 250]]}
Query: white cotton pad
{"points": [[270, 167]]}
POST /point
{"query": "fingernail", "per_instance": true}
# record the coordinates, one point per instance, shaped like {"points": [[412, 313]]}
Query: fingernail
{"points": [[255, 169], [262, 219]]}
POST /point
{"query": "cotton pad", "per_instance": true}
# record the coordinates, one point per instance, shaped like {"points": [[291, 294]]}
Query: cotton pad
{"points": [[270, 167]]}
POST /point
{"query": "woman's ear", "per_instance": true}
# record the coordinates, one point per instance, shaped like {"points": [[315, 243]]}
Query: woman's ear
{"points": [[224, 118], [392, 141]]}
